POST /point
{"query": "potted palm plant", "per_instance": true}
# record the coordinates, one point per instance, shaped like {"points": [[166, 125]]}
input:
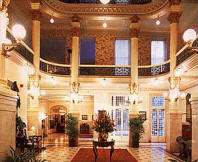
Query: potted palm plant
{"points": [[137, 129], [71, 130]]}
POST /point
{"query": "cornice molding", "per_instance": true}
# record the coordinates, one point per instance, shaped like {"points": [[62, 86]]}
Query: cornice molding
{"points": [[99, 9]]}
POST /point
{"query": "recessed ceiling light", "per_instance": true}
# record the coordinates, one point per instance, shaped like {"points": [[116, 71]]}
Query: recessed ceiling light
{"points": [[51, 20], [104, 1], [157, 22], [104, 25]]}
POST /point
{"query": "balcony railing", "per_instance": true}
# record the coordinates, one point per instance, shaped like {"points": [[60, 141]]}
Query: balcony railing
{"points": [[23, 50], [54, 68], [105, 70], [152, 70], [185, 53]]}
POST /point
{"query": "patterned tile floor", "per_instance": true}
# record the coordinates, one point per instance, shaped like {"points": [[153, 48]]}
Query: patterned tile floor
{"points": [[57, 150]]}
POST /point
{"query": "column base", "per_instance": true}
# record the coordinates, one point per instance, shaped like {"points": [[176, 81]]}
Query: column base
{"points": [[174, 129], [130, 132], [34, 125], [8, 122]]}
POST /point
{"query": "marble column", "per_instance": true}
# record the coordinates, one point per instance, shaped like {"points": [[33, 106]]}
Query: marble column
{"points": [[134, 66], [3, 25], [194, 104], [173, 114], [7, 97], [33, 114], [7, 122], [74, 82]]}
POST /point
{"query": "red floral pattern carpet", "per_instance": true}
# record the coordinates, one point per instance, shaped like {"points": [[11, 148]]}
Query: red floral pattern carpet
{"points": [[119, 155]]}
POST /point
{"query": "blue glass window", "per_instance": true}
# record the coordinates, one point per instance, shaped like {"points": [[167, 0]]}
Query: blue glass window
{"points": [[87, 50], [158, 101]]}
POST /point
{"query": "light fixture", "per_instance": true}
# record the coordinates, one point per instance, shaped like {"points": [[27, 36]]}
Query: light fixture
{"points": [[53, 80], [104, 25], [104, 1], [179, 72], [42, 116], [19, 33], [157, 22], [33, 87], [43, 93], [75, 98], [103, 82], [51, 20], [189, 35], [133, 97], [174, 92]]}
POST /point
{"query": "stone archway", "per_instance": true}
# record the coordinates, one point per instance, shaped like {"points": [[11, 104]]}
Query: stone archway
{"points": [[56, 119]]}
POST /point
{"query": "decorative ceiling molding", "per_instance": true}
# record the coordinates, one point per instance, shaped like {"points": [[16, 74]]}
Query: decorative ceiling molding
{"points": [[63, 10]]}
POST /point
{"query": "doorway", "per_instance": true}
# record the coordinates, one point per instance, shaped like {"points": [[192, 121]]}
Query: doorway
{"points": [[158, 119], [121, 118]]}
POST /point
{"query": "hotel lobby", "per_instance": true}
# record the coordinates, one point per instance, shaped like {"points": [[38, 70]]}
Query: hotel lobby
{"points": [[99, 80]]}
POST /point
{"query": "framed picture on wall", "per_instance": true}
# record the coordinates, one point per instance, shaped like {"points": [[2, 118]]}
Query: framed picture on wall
{"points": [[84, 117], [143, 114]]}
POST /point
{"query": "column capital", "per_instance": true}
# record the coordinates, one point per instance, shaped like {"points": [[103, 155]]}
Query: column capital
{"points": [[4, 4], [75, 30], [135, 19], [134, 33], [174, 17], [36, 14], [174, 2]]}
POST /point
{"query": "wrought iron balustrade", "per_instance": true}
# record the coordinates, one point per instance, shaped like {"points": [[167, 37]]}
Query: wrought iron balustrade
{"points": [[186, 53], [22, 50], [54, 69], [154, 70], [105, 71], [111, 2]]}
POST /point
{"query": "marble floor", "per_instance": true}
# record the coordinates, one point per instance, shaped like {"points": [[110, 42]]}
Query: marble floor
{"points": [[57, 150]]}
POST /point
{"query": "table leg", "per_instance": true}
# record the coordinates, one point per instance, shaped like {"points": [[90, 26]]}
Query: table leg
{"points": [[95, 152], [111, 151]]}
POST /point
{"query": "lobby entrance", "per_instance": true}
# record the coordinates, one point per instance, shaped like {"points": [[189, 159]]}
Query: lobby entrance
{"points": [[158, 119], [121, 118]]}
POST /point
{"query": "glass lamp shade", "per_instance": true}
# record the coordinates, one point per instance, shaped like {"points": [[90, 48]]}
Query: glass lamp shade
{"points": [[189, 35], [19, 31], [104, 1], [8, 41], [104, 25]]}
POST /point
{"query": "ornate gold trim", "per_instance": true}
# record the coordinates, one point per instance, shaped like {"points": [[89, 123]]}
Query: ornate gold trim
{"points": [[174, 17], [100, 9], [36, 15]]}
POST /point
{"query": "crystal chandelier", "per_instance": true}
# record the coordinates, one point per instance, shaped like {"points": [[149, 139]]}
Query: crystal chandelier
{"points": [[75, 98]]}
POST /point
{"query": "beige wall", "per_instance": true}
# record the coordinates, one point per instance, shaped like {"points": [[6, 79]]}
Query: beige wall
{"points": [[16, 70]]}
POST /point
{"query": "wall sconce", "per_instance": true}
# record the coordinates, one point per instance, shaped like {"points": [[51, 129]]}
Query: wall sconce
{"points": [[133, 97], [75, 98], [33, 87], [75, 87], [174, 92], [19, 33]]}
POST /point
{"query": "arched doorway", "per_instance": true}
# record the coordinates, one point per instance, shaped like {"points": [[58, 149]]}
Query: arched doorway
{"points": [[56, 119]]}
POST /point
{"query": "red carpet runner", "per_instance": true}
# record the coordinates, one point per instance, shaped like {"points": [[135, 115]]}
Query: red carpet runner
{"points": [[119, 155]]}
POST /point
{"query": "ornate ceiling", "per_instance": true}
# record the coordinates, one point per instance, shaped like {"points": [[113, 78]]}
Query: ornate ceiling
{"points": [[92, 16]]}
